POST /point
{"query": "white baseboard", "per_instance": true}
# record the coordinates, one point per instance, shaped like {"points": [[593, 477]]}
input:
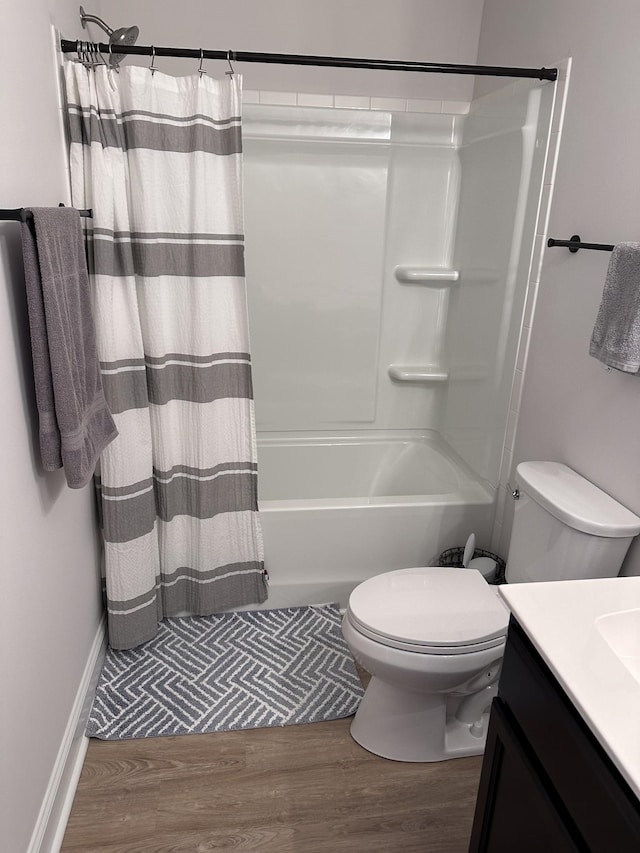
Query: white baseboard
{"points": [[54, 813]]}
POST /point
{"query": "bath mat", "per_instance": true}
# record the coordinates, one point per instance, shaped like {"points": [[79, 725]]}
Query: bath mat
{"points": [[238, 670]]}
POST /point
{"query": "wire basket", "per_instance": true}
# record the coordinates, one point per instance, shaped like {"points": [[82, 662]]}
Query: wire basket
{"points": [[452, 558]]}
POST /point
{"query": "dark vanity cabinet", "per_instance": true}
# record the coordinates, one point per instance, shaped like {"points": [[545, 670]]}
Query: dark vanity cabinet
{"points": [[547, 786]]}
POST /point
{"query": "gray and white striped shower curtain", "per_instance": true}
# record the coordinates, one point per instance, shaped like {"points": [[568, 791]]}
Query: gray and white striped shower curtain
{"points": [[159, 161]]}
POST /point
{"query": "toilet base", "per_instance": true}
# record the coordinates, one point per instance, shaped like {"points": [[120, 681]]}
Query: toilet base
{"points": [[407, 726]]}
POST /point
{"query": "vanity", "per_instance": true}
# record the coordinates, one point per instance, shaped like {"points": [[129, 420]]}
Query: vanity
{"points": [[561, 770]]}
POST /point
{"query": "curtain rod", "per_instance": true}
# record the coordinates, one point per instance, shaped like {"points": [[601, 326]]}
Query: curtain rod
{"points": [[68, 46]]}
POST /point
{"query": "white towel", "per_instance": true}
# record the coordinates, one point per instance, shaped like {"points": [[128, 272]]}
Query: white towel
{"points": [[616, 335]]}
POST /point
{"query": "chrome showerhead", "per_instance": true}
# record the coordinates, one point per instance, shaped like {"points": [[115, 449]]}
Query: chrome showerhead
{"points": [[121, 37]]}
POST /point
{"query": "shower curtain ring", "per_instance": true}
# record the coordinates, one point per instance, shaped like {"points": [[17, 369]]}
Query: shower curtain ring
{"points": [[230, 72], [152, 67], [97, 56], [201, 70]]}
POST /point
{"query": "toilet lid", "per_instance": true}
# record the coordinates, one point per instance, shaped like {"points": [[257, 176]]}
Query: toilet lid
{"points": [[430, 607]]}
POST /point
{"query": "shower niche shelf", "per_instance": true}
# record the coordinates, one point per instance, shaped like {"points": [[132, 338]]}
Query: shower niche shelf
{"points": [[429, 276], [417, 373]]}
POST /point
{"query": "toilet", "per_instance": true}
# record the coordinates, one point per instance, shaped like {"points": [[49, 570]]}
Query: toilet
{"points": [[433, 638]]}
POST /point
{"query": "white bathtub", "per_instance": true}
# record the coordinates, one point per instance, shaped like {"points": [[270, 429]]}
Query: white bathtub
{"points": [[337, 510]]}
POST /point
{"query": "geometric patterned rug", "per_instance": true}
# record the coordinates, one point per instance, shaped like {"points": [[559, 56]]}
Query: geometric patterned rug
{"points": [[234, 670]]}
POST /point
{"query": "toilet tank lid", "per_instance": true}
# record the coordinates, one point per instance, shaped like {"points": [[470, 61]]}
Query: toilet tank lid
{"points": [[575, 501]]}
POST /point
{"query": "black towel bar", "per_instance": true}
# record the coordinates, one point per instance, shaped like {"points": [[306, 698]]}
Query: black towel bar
{"points": [[574, 244], [20, 214]]}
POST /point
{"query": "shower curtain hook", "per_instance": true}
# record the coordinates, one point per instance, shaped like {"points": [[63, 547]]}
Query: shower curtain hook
{"points": [[230, 72], [97, 56], [152, 67], [113, 66], [201, 70]]}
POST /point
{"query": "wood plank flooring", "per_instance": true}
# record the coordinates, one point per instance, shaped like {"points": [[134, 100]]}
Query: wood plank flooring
{"points": [[297, 789]]}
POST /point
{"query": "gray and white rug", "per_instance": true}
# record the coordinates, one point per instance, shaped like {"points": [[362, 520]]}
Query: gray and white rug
{"points": [[239, 670]]}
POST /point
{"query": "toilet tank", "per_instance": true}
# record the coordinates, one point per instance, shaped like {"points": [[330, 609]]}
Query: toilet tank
{"points": [[565, 528]]}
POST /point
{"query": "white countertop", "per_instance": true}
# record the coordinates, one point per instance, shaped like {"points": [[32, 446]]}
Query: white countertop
{"points": [[560, 618]]}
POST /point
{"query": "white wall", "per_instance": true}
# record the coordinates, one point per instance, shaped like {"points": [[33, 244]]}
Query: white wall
{"points": [[572, 410], [420, 30], [50, 605]]}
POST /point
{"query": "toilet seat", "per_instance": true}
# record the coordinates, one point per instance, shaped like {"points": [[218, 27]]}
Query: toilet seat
{"points": [[430, 610]]}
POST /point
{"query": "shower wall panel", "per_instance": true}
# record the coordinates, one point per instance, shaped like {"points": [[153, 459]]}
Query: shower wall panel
{"points": [[334, 201], [315, 220], [502, 160], [422, 203]]}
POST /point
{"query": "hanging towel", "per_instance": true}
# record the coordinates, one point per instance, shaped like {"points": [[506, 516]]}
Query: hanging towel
{"points": [[75, 423], [616, 335]]}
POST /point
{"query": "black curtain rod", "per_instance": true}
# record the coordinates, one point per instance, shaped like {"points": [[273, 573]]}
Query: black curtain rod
{"points": [[21, 214], [574, 244], [68, 46]]}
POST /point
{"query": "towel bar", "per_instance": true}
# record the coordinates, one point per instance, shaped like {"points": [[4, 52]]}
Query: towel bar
{"points": [[20, 214], [574, 244]]}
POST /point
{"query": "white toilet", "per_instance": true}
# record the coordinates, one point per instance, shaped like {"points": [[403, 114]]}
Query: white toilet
{"points": [[433, 638]]}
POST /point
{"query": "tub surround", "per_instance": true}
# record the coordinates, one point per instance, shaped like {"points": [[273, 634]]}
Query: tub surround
{"points": [[419, 298], [588, 634], [379, 192], [403, 317], [390, 306]]}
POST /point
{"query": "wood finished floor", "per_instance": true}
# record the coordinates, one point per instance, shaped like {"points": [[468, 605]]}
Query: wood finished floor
{"points": [[297, 789]]}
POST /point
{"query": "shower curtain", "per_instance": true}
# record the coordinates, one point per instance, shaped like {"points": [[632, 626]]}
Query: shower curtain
{"points": [[159, 161]]}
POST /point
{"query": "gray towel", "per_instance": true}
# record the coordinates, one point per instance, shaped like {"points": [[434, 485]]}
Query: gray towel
{"points": [[616, 334], [75, 423]]}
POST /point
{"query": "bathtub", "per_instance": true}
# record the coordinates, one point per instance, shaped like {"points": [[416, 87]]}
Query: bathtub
{"points": [[336, 510]]}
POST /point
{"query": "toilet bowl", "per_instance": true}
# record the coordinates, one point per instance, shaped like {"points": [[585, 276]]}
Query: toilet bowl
{"points": [[433, 638]]}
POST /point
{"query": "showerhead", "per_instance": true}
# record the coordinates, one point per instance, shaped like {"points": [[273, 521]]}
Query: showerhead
{"points": [[124, 36], [121, 37]]}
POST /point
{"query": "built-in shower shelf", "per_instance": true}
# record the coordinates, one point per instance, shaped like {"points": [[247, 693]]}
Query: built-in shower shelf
{"points": [[429, 276], [417, 373]]}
